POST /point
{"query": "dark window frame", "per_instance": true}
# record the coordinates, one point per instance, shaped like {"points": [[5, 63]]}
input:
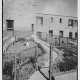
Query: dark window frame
{"points": [[10, 24], [60, 20]]}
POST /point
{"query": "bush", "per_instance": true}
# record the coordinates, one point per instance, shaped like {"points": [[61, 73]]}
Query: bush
{"points": [[8, 68], [68, 64], [21, 39], [41, 47], [67, 54]]}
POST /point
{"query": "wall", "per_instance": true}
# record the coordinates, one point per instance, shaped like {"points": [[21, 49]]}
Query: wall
{"points": [[21, 11], [56, 26]]}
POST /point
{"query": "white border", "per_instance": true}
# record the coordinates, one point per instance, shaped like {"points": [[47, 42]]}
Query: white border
{"points": [[0, 39]]}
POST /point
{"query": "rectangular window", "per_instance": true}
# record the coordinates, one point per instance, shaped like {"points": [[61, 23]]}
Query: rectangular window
{"points": [[51, 19], [61, 33], [70, 22], [39, 20], [9, 24], [70, 34], [76, 34], [60, 20], [76, 23], [33, 27]]}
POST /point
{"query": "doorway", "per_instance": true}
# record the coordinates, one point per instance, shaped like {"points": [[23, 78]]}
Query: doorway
{"points": [[70, 34], [51, 33], [61, 33]]}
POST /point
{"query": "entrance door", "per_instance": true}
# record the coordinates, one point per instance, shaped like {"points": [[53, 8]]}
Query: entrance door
{"points": [[51, 33], [70, 34], [61, 33]]}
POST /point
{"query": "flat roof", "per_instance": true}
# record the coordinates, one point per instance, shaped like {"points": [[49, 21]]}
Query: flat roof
{"points": [[57, 15]]}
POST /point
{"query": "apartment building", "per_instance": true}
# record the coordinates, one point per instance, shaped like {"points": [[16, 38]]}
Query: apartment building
{"points": [[64, 26], [19, 16]]}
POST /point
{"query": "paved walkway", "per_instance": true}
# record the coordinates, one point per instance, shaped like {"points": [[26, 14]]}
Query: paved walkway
{"points": [[37, 76], [69, 76], [47, 49]]}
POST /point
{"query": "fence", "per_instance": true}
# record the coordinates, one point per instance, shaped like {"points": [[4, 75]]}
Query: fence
{"points": [[56, 40], [23, 58]]}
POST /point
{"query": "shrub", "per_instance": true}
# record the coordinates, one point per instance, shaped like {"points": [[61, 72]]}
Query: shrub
{"points": [[68, 64], [67, 54], [41, 47], [8, 68], [21, 39]]}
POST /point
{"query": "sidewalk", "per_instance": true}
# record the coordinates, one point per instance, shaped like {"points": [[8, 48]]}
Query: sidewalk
{"points": [[46, 47], [37, 76]]}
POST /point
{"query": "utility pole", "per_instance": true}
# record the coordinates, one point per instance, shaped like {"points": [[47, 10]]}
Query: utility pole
{"points": [[50, 65]]}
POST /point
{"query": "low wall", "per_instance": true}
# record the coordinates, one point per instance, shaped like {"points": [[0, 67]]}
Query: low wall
{"points": [[68, 75]]}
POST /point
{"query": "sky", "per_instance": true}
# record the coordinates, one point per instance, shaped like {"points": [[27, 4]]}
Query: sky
{"points": [[57, 7]]}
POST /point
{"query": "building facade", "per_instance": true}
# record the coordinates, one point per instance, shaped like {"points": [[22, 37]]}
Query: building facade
{"points": [[18, 17], [64, 26]]}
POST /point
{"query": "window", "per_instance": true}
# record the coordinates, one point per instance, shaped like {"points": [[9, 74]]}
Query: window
{"points": [[70, 34], [70, 22], [76, 34], [76, 23], [9, 23], [61, 33], [39, 20], [33, 27], [51, 19], [60, 20]]}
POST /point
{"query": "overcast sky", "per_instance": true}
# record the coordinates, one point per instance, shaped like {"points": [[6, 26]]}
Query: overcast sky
{"points": [[58, 7]]}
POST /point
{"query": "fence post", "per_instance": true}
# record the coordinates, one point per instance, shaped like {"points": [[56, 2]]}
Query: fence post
{"points": [[15, 68], [36, 58]]}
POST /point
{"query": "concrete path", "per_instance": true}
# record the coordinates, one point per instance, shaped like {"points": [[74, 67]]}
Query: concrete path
{"points": [[37, 76], [69, 76], [47, 49]]}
